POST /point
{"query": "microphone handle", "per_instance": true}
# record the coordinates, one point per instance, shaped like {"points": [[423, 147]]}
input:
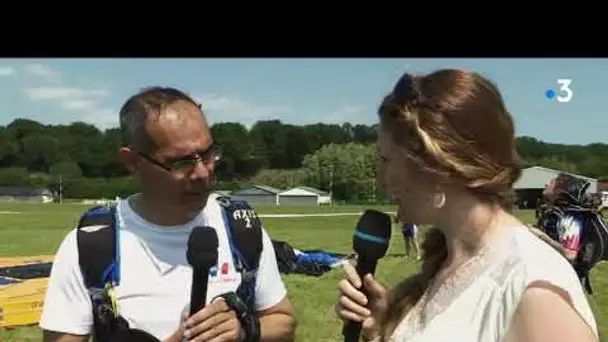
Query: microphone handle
{"points": [[352, 330], [198, 292], [364, 267]]}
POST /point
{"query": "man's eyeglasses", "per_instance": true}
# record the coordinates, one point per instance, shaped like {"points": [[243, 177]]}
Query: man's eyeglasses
{"points": [[187, 164]]}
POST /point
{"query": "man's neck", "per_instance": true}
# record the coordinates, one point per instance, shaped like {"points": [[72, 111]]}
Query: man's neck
{"points": [[158, 213]]}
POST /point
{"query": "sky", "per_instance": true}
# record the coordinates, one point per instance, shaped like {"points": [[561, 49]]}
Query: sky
{"points": [[299, 91]]}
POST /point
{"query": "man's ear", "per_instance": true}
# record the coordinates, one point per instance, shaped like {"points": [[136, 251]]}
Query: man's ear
{"points": [[129, 159]]}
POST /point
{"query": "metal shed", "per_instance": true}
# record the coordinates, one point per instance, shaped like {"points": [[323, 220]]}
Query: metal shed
{"points": [[303, 195], [258, 194], [21, 194]]}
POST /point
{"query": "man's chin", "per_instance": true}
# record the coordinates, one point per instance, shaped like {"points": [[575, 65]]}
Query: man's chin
{"points": [[195, 200]]}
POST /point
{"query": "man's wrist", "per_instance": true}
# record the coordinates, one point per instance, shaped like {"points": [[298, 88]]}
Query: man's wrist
{"points": [[249, 321], [373, 338], [376, 338]]}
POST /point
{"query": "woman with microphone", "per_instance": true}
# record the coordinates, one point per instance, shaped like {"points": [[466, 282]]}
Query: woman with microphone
{"points": [[448, 156]]}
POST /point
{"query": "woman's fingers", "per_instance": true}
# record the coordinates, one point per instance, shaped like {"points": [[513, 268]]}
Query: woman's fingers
{"points": [[353, 307], [351, 274], [347, 289]]}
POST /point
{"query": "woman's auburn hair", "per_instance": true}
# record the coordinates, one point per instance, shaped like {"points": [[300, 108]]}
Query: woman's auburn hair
{"points": [[454, 126]]}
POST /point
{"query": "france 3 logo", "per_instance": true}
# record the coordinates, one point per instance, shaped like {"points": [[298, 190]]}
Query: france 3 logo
{"points": [[564, 92]]}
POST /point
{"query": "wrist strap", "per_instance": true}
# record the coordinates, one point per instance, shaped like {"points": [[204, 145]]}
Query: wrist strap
{"points": [[376, 338], [250, 321]]}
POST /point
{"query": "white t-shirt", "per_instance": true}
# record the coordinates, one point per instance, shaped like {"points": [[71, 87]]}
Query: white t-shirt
{"points": [[478, 303], [155, 276]]}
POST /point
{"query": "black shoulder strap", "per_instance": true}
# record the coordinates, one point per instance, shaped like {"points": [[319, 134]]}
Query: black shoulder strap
{"points": [[98, 253], [99, 261], [99, 258], [244, 230]]}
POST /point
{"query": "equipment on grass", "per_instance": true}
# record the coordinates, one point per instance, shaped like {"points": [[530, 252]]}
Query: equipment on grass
{"points": [[23, 282], [313, 262], [572, 207], [99, 258], [370, 242]]}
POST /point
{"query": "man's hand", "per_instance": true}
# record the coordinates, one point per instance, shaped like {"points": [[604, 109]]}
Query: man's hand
{"points": [[177, 336], [216, 322]]}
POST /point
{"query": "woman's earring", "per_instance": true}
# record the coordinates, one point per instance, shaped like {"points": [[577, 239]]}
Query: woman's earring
{"points": [[439, 200]]}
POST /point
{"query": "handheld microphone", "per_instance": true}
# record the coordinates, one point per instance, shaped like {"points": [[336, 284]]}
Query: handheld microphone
{"points": [[201, 255], [370, 242]]}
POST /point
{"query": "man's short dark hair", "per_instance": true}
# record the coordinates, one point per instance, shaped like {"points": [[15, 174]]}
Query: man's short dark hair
{"points": [[137, 109]]}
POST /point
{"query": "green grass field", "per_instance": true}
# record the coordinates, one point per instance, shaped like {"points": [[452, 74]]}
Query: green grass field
{"points": [[40, 228]]}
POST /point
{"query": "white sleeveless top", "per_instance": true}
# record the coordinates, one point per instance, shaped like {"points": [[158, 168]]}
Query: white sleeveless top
{"points": [[477, 303]]}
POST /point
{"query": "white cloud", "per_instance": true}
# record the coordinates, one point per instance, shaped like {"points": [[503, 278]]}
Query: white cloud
{"points": [[58, 93], [6, 71], [41, 70], [103, 118], [63, 102], [84, 104], [221, 108], [77, 104]]}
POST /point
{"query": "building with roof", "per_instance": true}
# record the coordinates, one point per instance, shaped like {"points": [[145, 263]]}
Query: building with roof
{"points": [[303, 195], [602, 190], [530, 185], [258, 194], [23, 194], [223, 193]]}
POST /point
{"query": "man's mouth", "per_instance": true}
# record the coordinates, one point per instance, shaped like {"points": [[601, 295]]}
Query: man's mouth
{"points": [[194, 193]]}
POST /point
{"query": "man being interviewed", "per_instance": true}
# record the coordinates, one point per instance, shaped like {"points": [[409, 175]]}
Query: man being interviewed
{"points": [[168, 147]]}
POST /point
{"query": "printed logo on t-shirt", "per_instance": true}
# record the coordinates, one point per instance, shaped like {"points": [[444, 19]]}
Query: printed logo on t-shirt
{"points": [[221, 274], [213, 271]]}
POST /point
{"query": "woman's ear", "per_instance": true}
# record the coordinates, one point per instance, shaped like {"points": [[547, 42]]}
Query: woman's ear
{"points": [[439, 200]]}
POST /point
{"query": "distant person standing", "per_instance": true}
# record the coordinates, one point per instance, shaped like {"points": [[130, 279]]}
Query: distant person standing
{"points": [[410, 237]]}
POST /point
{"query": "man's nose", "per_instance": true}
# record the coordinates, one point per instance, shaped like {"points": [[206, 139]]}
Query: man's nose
{"points": [[200, 171]]}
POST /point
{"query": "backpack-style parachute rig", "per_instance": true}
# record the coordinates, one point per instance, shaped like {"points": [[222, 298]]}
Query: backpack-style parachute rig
{"points": [[572, 199]]}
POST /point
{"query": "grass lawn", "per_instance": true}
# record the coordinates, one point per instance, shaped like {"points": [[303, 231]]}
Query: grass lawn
{"points": [[40, 228]]}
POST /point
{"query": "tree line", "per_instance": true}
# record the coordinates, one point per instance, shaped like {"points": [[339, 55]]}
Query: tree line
{"points": [[340, 158]]}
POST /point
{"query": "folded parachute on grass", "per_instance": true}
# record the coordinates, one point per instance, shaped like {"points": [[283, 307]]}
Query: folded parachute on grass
{"points": [[308, 262], [23, 280]]}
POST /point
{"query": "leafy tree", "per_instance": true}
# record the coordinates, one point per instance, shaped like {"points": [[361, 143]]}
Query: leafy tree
{"points": [[340, 157]]}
